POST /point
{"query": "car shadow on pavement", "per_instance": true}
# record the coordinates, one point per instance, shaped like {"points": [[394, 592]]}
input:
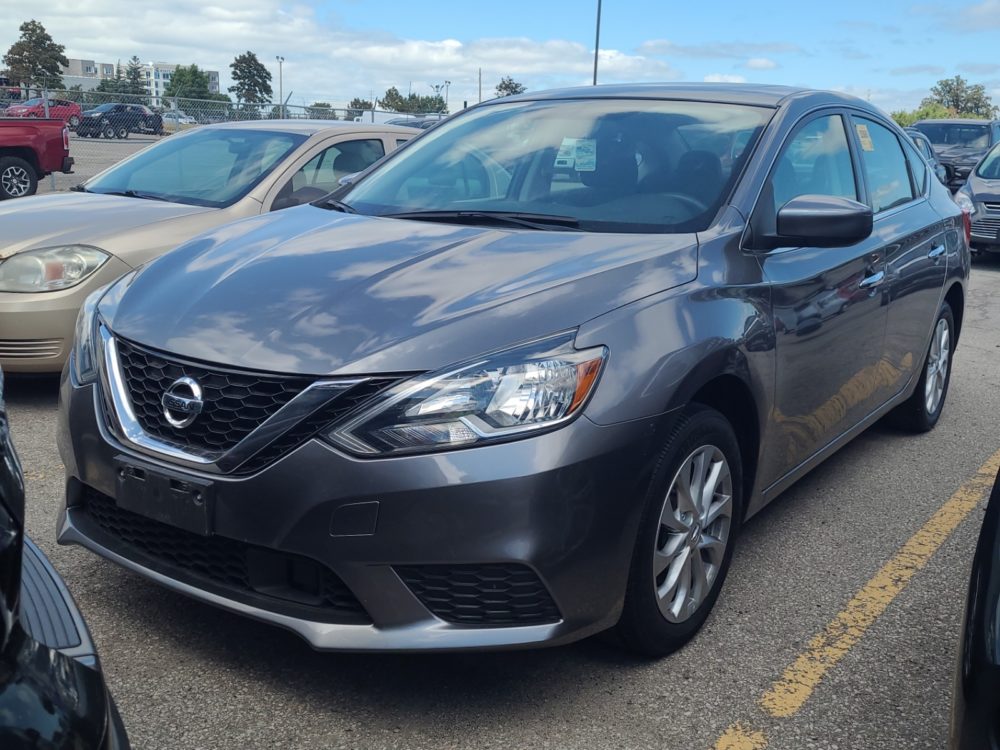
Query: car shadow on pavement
{"points": [[31, 390]]}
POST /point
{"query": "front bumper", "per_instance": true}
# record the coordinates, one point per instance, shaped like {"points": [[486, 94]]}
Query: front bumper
{"points": [[563, 506], [36, 329]]}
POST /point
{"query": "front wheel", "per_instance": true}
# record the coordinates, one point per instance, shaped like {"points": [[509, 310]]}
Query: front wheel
{"points": [[692, 513], [74, 122], [108, 132], [921, 411]]}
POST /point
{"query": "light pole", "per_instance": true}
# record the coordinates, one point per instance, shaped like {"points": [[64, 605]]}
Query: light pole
{"points": [[597, 40], [437, 89], [281, 91], [446, 85]]}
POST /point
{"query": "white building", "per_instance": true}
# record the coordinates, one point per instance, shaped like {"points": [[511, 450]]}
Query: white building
{"points": [[87, 74], [157, 76]]}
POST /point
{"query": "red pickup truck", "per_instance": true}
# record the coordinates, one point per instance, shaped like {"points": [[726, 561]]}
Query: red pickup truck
{"points": [[30, 149]]}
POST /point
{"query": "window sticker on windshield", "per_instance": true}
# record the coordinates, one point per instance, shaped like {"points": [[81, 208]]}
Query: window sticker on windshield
{"points": [[864, 137], [567, 153], [586, 155]]}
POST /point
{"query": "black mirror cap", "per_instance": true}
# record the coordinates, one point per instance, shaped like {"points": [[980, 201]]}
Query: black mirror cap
{"points": [[821, 221]]}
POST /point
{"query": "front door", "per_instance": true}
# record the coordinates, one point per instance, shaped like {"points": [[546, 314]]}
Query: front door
{"points": [[828, 305]]}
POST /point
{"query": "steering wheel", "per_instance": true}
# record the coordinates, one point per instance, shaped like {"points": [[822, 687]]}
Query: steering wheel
{"points": [[680, 197]]}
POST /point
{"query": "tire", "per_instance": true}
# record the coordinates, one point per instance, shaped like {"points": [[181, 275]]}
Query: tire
{"points": [[654, 624], [921, 411], [17, 178], [121, 132], [108, 132], [74, 122]]}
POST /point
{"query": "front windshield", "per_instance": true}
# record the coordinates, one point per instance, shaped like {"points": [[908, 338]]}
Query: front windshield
{"points": [[989, 168], [31, 103], [103, 107], [212, 167], [611, 165], [969, 135]]}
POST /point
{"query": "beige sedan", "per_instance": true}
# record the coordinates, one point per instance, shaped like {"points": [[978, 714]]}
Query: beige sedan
{"points": [[56, 249]]}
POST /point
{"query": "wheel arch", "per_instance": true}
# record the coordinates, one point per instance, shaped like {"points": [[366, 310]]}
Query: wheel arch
{"points": [[722, 381], [955, 297], [26, 154]]}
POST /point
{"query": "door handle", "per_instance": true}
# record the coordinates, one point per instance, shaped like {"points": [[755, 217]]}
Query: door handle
{"points": [[869, 282], [936, 252]]}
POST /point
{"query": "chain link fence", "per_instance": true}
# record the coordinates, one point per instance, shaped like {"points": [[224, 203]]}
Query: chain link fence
{"points": [[107, 127]]}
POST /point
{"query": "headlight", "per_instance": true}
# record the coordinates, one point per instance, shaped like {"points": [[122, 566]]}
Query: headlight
{"points": [[511, 393], [963, 197], [50, 269], [84, 356]]}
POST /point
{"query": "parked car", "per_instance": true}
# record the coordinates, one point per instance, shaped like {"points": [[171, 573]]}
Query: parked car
{"points": [[976, 695], [926, 149], [960, 144], [177, 117], [416, 122], [29, 151], [980, 195], [52, 692], [58, 248], [119, 120], [462, 404], [59, 109]]}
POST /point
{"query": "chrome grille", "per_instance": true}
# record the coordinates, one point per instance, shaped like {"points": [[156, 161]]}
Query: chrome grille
{"points": [[986, 227], [993, 207], [30, 348]]}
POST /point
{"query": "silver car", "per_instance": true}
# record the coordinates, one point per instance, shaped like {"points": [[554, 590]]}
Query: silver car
{"points": [[59, 248]]}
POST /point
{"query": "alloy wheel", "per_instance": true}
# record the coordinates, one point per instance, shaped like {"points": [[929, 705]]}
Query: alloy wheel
{"points": [[693, 533], [937, 366], [16, 181]]}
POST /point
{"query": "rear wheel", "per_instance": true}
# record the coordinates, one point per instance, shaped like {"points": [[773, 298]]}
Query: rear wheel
{"points": [[122, 132], [685, 543], [17, 178], [74, 122], [921, 411]]}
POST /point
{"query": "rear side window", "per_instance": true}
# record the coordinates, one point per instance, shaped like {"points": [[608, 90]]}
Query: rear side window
{"points": [[918, 168], [884, 164], [816, 161]]}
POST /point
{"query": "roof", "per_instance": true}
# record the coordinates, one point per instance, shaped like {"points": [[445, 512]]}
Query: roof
{"points": [[311, 127], [733, 93], [954, 121]]}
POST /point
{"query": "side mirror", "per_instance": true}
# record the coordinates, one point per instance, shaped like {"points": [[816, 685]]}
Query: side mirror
{"points": [[821, 221], [348, 179]]}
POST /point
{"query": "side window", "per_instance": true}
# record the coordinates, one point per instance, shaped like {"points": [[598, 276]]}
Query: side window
{"points": [[884, 164], [816, 161], [401, 141], [918, 168], [321, 174]]}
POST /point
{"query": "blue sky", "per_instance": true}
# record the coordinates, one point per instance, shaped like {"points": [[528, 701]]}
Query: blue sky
{"points": [[890, 52]]}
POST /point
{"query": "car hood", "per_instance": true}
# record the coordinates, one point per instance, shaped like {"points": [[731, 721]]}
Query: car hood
{"points": [[84, 218], [960, 153], [315, 292], [17, 110], [984, 191]]}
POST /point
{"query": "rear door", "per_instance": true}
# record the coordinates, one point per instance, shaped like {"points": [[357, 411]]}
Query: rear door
{"points": [[913, 235], [828, 303]]}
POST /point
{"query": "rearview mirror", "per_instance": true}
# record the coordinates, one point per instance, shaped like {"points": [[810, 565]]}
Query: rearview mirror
{"points": [[822, 221]]}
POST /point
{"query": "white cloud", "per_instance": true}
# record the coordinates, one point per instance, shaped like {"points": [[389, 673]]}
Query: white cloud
{"points": [[716, 49], [760, 63], [324, 59], [724, 78], [978, 17]]}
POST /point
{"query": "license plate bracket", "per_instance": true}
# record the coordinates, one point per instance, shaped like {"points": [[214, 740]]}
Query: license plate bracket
{"points": [[165, 496]]}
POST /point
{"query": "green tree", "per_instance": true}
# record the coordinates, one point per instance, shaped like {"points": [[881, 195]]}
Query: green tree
{"points": [[189, 82], [926, 111], [358, 107], [509, 87], [956, 94], [393, 101], [35, 60], [134, 80], [321, 111], [251, 80]]}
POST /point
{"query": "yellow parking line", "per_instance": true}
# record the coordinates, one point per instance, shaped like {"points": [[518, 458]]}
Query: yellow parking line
{"points": [[798, 681], [738, 737]]}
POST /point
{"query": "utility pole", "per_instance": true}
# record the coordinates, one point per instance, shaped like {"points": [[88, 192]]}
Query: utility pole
{"points": [[480, 85], [597, 40], [281, 91]]}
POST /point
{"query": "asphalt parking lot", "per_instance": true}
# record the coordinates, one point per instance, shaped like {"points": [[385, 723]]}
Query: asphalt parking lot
{"points": [[188, 676]]}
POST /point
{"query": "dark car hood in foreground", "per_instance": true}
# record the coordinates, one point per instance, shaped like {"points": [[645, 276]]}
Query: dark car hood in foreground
{"points": [[953, 154], [311, 291]]}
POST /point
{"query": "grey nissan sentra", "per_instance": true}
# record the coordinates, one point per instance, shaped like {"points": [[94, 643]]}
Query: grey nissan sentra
{"points": [[524, 380]]}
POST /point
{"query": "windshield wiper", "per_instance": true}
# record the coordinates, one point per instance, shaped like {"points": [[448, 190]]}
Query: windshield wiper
{"points": [[137, 194], [516, 218], [79, 189], [334, 205]]}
